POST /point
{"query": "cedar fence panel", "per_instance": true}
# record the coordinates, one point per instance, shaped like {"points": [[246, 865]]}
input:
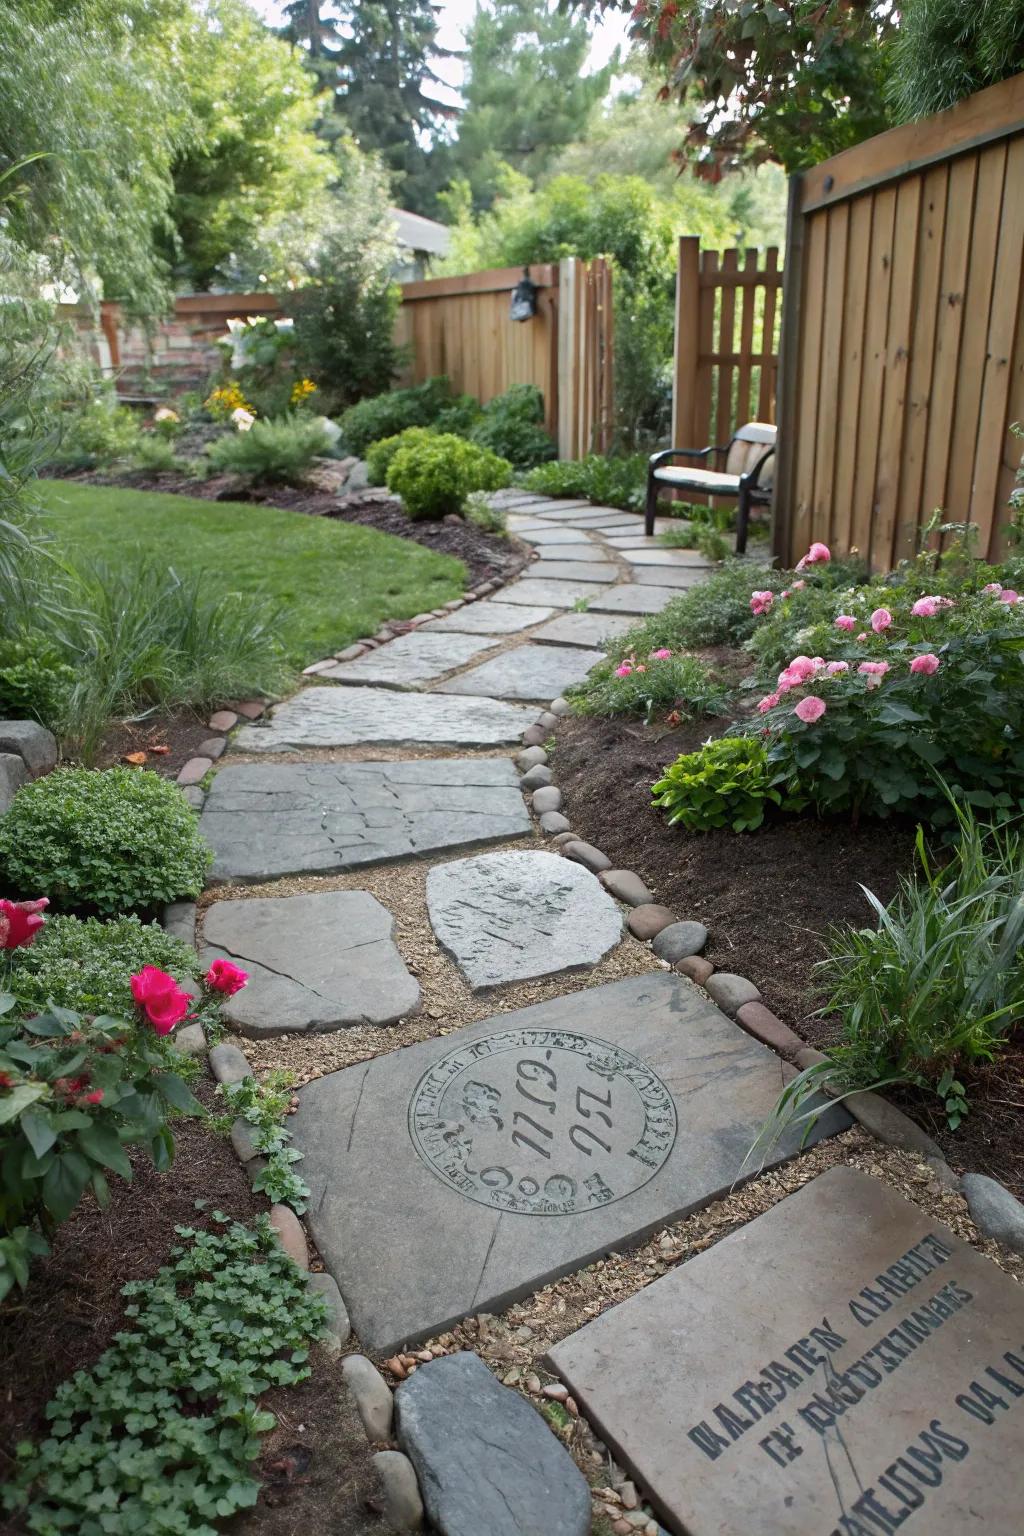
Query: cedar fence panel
{"points": [[902, 366]]}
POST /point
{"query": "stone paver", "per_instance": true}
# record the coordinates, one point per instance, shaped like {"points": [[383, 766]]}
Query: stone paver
{"points": [[575, 570], [488, 1464], [572, 554], [586, 629], [410, 659], [679, 576], [512, 916], [632, 598], [526, 1146], [348, 717], [490, 618], [544, 533], [268, 819], [658, 556], [603, 518], [528, 672], [842, 1364], [551, 594], [316, 962]]}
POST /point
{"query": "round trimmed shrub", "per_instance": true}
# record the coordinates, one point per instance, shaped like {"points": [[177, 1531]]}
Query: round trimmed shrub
{"points": [[106, 840], [86, 964], [435, 476], [380, 454]]}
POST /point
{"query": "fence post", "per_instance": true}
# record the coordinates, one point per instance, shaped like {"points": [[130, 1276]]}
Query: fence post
{"points": [[568, 357], [786, 412], [687, 343]]}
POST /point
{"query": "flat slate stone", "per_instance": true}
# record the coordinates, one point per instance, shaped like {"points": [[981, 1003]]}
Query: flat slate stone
{"points": [[488, 1464], [511, 916], [841, 1366], [675, 576], [316, 962], [544, 533], [586, 629], [552, 594], [631, 597], [453, 1176], [658, 555], [490, 618], [269, 819], [409, 659], [350, 717], [530, 672], [575, 570], [588, 555]]}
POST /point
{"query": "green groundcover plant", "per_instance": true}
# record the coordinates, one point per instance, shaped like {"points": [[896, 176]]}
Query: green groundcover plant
{"points": [[161, 1434], [385, 415], [512, 426], [658, 683], [620, 482], [108, 841], [88, 964], [435, 476], [727, 783], [264, 1106], [277, 452]]}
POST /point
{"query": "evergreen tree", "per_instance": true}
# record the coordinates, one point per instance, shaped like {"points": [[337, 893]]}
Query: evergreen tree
{"points": [[526, 94]]}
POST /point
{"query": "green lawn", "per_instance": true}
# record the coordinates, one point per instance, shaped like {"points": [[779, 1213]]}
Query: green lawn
{"points": [[334, 581]]}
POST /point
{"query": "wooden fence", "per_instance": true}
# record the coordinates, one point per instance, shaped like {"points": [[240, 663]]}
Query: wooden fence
{"points": [[460, 326], [726, 351], [903, 348]]}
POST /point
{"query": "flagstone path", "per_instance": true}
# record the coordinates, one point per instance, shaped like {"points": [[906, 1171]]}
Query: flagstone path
{"points": [[481, 1161]]}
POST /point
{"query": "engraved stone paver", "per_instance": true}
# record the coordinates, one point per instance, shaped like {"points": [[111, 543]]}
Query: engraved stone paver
{"points": [[457, 1174], [529, 672], [842, 1366], [490, 618], [509, 916], [410, 659], [349, 717], [553, 594], [587, 629], [269, 819], [631, 597], [315, 962]]}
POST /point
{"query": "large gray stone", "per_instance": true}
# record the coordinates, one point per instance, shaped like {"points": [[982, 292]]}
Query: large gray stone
{"points": [[679, 578], [630, 597], [550, 594], [487, 1463], [529, 672], [586, 629], [13, 775], [541, 534], [510, 916], [269, 819], [179, 920], [32, 742], [575, 570], [679, 940], [457, 1174], [315, 962], [994, 1210], [351, 717], [417, 657], [842, 1364], [491, 617], [659, 556]]}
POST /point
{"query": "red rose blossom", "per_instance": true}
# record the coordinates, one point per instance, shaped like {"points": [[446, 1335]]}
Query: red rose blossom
{"points": [[96, 1097], [160, 998], [225, 977], [20, 921]]}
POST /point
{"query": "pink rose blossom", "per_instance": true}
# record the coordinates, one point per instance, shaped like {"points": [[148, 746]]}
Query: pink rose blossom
{"points": [[880, 619], [810, 709], [927, 663], [798, 586], [837, 666], [928, 607], [786, 593], [803, 666], [862, 635], [818, 554], [768, 702], [660, 655], [1007, 595], [845, 621], [760, 602], [641, 669], [874, 671], [994, 586], [623, 671]]}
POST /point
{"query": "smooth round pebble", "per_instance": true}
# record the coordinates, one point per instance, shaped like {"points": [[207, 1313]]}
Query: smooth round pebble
{"points": [[547, 720], [679, 940], [290, 1234], [530, 757], [627, 887], [534, 736], [696, 967], [586, 854], [648, 920], [730, 991], [536, 777], [560, 838], [560, 706], [554, 822], [547, 798], [403, 1506], [372, 1396], [337, 1328]]}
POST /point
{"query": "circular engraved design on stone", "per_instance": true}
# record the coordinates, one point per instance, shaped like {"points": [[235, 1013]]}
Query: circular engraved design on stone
{"points": [[542, 1122]]}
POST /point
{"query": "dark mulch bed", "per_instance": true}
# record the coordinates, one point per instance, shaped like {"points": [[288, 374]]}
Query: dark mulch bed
{"points": [[181, 731], [73, 1307], [766, 899], [485, 555]]}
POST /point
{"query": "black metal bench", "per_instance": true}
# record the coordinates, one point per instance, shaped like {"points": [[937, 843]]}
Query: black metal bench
{"points": [[747, 475]]}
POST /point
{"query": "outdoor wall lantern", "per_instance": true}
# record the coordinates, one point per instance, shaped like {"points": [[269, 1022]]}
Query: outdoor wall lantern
{"points": [[524, 297]]}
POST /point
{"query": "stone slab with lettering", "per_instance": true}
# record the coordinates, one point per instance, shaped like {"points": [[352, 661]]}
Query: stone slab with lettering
{"points": [[353, 717], [269, 819], [452, 1176], [841, 1366], [517, 914]]}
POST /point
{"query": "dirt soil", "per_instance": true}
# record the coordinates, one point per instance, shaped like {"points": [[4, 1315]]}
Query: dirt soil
{"points": [[767, 898], [73, 1307], [181, 731]]}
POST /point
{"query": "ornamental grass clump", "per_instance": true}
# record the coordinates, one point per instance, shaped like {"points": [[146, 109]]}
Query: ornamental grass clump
{"points": [[276, 452], [655, 684], [103, 841]]}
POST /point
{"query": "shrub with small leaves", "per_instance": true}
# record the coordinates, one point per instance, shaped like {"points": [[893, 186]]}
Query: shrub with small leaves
{"points": [[512, 426], [35, 680], [435, 476], [385, 415], [379, 455], [108, 840], [87, 964], [728, 783], [99, 433], [161, 1434], [276, 452], [609, 482]]}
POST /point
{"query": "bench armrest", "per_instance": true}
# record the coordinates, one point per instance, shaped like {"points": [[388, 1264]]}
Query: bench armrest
{"points": [[753, 476], [681, 453]]}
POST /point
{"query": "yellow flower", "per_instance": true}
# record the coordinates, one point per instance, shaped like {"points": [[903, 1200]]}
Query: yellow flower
{"points": [[225, 400], [301, 390]]}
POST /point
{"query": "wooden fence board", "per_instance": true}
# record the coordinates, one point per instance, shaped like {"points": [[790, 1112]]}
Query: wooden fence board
{"points": [[848, 417], [831, 356], [897, 353]]}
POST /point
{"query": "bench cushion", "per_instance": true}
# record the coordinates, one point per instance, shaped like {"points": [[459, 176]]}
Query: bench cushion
{"points": [[698, 479]]}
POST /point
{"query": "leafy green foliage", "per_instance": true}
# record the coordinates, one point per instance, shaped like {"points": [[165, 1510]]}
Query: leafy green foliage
{"points": [[154, 454], [380, 454], [479, 511], [98, 434], [35, 679], [87, 964], [619, 482], [512, 426], [387, 414], [74, 1093], [944, 51], [161, 1434], [714, 612], [653, 686], [264, 1106], [728, 783], [271, 452], [435, 476], [111, 840]]}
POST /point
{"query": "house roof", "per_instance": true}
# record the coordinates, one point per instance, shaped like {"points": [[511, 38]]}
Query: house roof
{"points": [[419, 234]]}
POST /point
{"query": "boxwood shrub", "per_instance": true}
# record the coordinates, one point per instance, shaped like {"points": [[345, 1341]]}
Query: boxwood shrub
{"points": [[87, 963], [435, 476]]}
